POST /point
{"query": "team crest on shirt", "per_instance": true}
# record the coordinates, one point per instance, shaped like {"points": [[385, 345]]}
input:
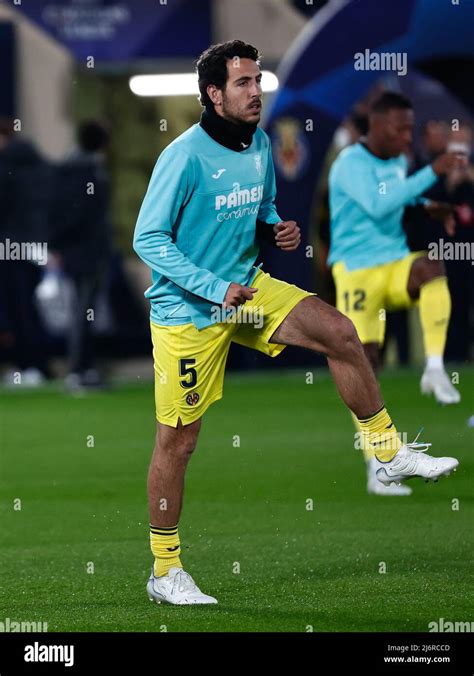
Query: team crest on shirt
{"points": [[192, 398], [258, 163]]}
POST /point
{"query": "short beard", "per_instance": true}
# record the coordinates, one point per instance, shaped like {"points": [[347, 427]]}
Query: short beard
{"points": [[231, 118]]}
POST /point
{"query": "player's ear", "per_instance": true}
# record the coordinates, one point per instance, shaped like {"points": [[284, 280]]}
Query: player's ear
{"points": [[215, 94]]}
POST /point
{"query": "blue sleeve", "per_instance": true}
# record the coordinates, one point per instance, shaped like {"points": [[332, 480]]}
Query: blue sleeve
{"points": [[170, 186], [357, 180], [267, 211]]}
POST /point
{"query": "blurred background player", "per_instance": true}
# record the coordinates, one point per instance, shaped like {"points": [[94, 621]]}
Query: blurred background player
{"points": [[422, 229], [25, 195], [81, 241], [460, 191], [372, 266]]}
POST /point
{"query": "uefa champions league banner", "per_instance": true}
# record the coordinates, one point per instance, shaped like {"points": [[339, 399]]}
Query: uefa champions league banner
{"points": [[122, 30]]}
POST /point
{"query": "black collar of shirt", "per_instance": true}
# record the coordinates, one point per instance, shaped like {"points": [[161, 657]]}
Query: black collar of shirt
{"points": [[234, 136]]}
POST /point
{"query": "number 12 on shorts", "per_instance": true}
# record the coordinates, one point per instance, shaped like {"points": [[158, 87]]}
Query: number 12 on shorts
{"points": [[357, 300]]}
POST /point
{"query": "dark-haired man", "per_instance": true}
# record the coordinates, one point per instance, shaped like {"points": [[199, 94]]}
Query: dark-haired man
{"points": [[197, 232], [372, 266]]}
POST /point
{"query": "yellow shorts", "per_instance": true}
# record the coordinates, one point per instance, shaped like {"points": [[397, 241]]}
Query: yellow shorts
{"points": [[364, 295], [189, 364]]}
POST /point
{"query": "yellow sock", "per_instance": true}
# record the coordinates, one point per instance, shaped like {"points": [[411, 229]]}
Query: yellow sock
{"points": [[435, 310], [380, 434], [367, 449], [166, 549]]}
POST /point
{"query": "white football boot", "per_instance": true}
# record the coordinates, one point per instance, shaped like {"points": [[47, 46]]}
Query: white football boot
{"points": [[376, 487], [436, 381], [177, 588], [412, 461]]}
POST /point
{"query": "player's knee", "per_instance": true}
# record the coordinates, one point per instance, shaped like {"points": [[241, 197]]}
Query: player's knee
{"points": [[345, 336], [179, 442], [179, 449], [187, 447], [181, 445], [190, 437]]}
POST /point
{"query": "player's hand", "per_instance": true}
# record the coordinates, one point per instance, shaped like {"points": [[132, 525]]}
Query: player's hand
{"points": [[446, 162], [237, 295], [288, 235]]}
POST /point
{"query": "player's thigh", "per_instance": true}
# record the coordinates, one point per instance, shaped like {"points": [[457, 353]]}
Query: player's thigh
{"points": [[315, 325], [261, 316], [189, 370], [398, 296], [360, 295]]}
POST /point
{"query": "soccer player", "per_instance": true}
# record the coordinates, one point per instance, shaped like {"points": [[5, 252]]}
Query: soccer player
{"points": [[372, 266], [197, 232]]}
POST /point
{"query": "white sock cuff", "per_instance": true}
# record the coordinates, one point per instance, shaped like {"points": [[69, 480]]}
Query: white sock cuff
{"points": [[434, 362]]}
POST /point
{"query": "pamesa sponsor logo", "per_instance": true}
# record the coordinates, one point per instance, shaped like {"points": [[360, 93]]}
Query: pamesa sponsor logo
{"points": [[238, 197]]}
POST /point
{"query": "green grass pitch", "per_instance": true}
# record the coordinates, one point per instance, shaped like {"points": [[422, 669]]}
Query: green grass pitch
{"points": [[247, 535]]}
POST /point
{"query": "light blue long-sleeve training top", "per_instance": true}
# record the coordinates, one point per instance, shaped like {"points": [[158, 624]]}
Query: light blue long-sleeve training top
{"points": [[367, 196], [196, 226]]}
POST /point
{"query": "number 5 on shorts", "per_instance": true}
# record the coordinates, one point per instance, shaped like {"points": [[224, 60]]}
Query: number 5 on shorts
{"points": [[185, 370]]}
